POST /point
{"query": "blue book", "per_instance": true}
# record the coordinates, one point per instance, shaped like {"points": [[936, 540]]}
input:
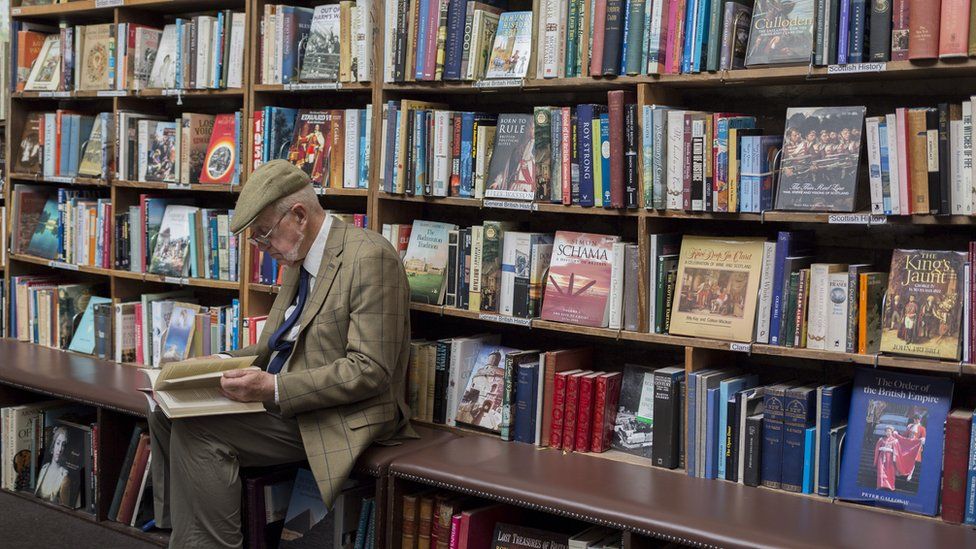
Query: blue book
{"points": [[625, 32], [605, 157], [526, 398], [858, 14], [748, 167], [467, 135], [423, 9], [392, 129], [970, 484], [701, 34], [885, 166], [692, 439], [788, 243], [235, 308], [772, 452], [712, 432], [893, 453], [363, 180], [83, 340], [219, 47], [835, 402], [453, 47], [799, 414], [44, 242], [809, 437], [843, 37], [584, 128], [180, 30], [68, 121], [691, 11], [729, 387], [81, 131]]}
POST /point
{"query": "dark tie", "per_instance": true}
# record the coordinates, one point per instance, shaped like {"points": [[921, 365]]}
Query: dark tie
{"points": [[277, 342]]}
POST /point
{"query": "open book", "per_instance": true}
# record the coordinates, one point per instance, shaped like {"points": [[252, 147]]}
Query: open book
{"points": [[191, 388]]}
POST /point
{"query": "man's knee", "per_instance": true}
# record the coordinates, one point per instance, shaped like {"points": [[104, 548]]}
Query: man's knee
{"points": [[158, 422]]}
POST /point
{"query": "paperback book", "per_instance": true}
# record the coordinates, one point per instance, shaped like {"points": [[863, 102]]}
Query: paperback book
{"points": [[512, 48]]}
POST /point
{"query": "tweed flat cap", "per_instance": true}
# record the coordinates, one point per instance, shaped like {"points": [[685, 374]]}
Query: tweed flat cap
{"points": [[274, 180]]}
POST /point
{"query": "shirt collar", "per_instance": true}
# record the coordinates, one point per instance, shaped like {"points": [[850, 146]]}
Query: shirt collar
{"points": [[314, 257]]}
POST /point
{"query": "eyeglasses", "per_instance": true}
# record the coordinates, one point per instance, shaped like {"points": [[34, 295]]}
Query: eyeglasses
{"points": [[264, 240]]}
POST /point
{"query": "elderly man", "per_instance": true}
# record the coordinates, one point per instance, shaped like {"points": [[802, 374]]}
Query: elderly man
{"points": [[333, 357]]}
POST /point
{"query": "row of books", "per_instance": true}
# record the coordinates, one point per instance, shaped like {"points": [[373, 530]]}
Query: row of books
{"points": [[204, 51], [266, 269], [49, 450], [132, 500], [331, 146], [64, 143], [327, 43], [74, 226]]}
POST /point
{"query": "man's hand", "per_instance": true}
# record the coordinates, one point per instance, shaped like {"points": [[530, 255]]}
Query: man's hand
{"points": [[247, 385]]}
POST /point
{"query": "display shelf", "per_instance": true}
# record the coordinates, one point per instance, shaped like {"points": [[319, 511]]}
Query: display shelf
{"points": [[145, 93], [58, 180], [314, 87], [61, 265], [199, 187], [334, 191], [181, 281]]}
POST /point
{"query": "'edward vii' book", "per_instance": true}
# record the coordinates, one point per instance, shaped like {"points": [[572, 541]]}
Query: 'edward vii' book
{"points": [[893, 452], [578, 285], [923, 304]]}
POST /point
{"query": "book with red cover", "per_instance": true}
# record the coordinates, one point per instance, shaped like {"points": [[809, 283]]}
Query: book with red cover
{"points": [[558, 361], [584, 411], [923, 25], [558, 415], [955, 468], [476, 527], [29, 45], [571, 409], [220, 163], [616, 100], [605, 410], [578, 285], [127, 507], [954, 29]]}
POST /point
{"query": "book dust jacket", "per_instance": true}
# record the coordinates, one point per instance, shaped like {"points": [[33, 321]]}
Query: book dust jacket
{"points": [[578, 285]]}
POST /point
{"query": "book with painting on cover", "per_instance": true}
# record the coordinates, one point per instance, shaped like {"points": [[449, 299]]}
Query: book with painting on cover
{"points": [[160, 150], [172, 249], [511, 173], [481, 402], [321, 60], [578, 286], [426, 261], [923, 304], [311, 144], [821, 155], [512, 48], [781, 32], [179, 332], [97, 57], [44, 241], [30, 151], [45, 75], [163, 72], [190, 388], [717, 285]]}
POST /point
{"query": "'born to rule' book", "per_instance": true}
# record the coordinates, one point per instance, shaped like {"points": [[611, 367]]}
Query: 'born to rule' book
{"points": [[893, 452]]}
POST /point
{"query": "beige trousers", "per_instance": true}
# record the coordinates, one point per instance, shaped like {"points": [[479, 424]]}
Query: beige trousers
{"points": [[196, 471]]}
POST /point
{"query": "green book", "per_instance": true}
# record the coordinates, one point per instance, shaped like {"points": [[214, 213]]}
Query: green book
{"points": [[543, 152]]}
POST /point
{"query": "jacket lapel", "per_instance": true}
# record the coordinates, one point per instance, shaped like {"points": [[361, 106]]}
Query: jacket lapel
{"points": [[326, 275]]}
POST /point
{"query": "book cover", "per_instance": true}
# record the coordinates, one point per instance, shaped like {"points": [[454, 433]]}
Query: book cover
{"points": [[426, 261], [633, 430], [667, 415], [197, 130], [93, 152], [305, 509], [481, 402], [925, 300], [511, 173], [311, 144], [893, 452], [955, 471], [97, 60], [781, 33], [510, 536], [45, 75], [718, 282], [83, 338], [163, 73], [512, 47], [161, 152], [578, 285], [821, 155], [321, 60], [220, 162], [30, 149], [179, 334], [44, 241], [172, 248]]}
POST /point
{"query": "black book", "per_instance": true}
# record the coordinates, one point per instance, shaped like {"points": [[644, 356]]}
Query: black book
{"points": [[450, 296], [834, 7], [731, 440], [944, 183], [667, 414], [103, 330], [681, 423], [932, 117], [410, 167], [631, 174], [790, 266], [574, 184], [858, 30], [612, 37], [400, 44], [442, 358], [753, 450], [464, 267], [880, 40], [113, 509]]}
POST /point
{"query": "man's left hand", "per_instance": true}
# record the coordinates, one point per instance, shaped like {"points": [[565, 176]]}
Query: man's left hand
{"points": [[247, 385]]}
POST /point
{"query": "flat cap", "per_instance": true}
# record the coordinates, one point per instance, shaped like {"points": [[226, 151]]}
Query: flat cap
{"points": [[273, 180]]}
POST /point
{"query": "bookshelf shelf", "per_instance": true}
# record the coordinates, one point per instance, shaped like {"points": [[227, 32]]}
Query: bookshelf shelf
{"points": [[333, 191], [61, 265], [78, 8], [314, 87], [181, 281], [264, 288], [502, 204], [37, 178], [145, 94], [176, 186], [77, 513]]}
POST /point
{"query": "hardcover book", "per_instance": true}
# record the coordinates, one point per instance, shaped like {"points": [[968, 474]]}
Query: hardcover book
{"points": [[311, 144], [93, 152], [781, 33], [511, 173], [220, 163], [718, 281], [83, 338], [161, 152], [45, 75], [321, 60], [97, 57], [426, 261], [163, 73], [44, 242], [821, 154], [512, 48], [179, 333], [28, 159], [172, 249], [578, 285], [923, 304], [893, 452], [510, 536], [481, 401], [197, 129], [633, 430]]}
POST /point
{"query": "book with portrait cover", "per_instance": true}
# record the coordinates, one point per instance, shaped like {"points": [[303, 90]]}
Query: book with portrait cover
{"points": [[781, 32], [578, 286], [512, 48], [220, 162], [426, 261], [923, 304], [321, 60], [481, 402], [511, 173], [821, 155], [893, 452], [717, 285], [30, 151], [160, 150], [310, 144]]}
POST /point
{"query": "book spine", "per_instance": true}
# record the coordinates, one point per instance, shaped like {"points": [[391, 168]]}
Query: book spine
{"points": [[558, 411], [584, 151], [754, 445], [783, 245], [970, 515], [765, 293], [795, 424], [853, 299], [584, 414], [613, 35], [880, 37], [900, 31], [664, 453], [954, 29], [954, 470], [843, 34], [858, 17], [508, 393], [618, 129], [923, 25], [569, 414], [599, 435], [772, 437]]}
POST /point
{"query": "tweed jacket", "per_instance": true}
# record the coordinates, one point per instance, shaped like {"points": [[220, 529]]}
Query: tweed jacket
{"points": [[344, 381]]}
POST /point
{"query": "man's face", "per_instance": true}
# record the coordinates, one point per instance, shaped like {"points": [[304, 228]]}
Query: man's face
{"points": [[285, 241]]}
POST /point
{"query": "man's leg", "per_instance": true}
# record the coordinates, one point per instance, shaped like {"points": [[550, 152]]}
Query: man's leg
{"points": [[159, 436], [205, 456]]}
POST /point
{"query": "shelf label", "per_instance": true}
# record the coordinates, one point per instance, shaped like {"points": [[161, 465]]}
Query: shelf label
{"points": [[500, 83], [510, 204], [15, 11], [171, 91], [175, 280], [111, 93], [853, 68], [108, 3], [505, 319], [58, 94], [740, 347], [60, 179], [856, 219], [63, 265], [299, 86], [321, 191], [178, 186]]}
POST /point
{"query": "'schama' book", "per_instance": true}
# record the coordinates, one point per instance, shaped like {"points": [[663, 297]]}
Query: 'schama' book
{"points": [[578, 285]]}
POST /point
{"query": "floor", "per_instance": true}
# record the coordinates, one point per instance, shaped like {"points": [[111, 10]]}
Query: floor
{"points": [[26, 525]]}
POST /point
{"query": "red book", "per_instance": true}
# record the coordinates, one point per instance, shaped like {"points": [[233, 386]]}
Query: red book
{"points": [[599, 24], [605, 410], [559, 407], [127, 507], [954, 29], [220, 163], [955, 465], [578, 285], [29, 44], [257, 152], [923, 26], [676, 36], [554, 362], [584, 412], [140, 356], [477, 526], [569, 413], [566, 144], [455, 530], [616, 100], [899, 30]]}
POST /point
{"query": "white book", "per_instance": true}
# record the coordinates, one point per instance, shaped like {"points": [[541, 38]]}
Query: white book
{"points": [[350, 164], [389, 39], [514, 245], [45, 74], [957, 193], [235, 57], [817, 304], [474, 288], [464, 353], [561, 25], [654, 38], [550, 45], [765, 300], [146, 129], [163, 74], [486, 138], [873, 127], [967, 157], [616, 302], [205, 25], [121, 50], [441, 170], [676, 140], [837, 308], [895, 164]]}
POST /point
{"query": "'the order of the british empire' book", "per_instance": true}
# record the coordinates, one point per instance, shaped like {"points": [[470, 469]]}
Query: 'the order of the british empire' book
{"points": [[781, 32], [923, 304], [426, 261], [718, 280], [513, 46], [893, 452], [578, 285], [511, 173]]}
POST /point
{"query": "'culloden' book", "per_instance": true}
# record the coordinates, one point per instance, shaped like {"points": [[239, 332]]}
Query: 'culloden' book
{"points": [[511, 173], [781, 33], [512, 49], [426, 261], [923, 304], [578, 285], [893, 452]]}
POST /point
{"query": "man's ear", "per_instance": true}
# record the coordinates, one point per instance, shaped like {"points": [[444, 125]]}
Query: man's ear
{"points": [[301, 213]]}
